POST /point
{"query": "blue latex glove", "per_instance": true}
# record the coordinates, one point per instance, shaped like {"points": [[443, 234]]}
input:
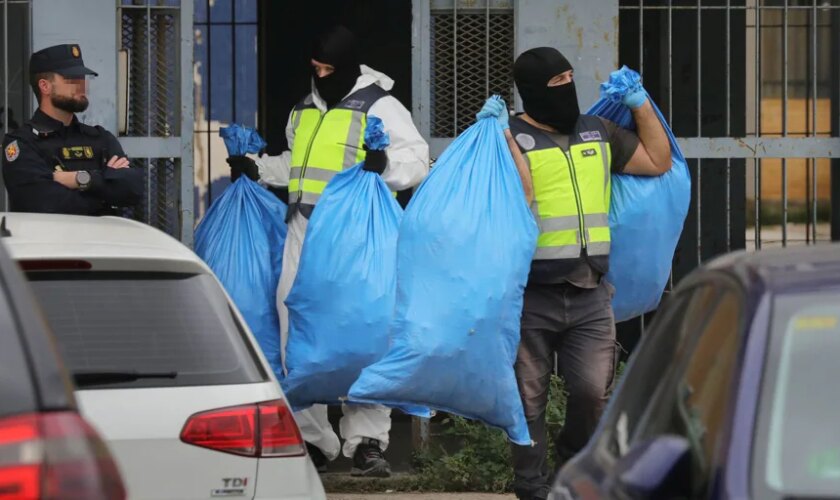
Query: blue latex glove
{"points": [[495, 107], [634, 100], [376, 139]]}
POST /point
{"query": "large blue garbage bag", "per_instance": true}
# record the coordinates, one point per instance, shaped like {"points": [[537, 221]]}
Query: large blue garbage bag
{"points": [[342, 300], [646, 213], [241, 238], [464, 254]]}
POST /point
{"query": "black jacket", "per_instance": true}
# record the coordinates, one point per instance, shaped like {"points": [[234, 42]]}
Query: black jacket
{"points": [[44, 145]]}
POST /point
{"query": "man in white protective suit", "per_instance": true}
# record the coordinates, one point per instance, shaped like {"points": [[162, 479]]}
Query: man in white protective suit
{"points": [[343, 94]]}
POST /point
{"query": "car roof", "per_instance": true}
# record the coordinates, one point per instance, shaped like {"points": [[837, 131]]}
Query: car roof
{"points": [[781, 269], [53, 236]]}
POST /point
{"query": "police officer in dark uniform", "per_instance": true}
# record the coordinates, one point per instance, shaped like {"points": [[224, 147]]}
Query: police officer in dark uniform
{"points": [[55, 163]]}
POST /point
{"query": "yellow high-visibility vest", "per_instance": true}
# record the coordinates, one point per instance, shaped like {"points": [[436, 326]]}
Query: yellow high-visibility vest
{"points": [[325, 144], [571, 197]]}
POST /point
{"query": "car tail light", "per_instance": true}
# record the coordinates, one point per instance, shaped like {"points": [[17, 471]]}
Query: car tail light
{"points": [[257, 430], [54, 265], [55, 455]]}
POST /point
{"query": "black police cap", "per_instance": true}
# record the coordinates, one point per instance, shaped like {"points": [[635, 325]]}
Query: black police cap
{"points": [[66, 60]]}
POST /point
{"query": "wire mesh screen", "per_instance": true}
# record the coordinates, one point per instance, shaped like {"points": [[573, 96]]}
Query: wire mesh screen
{"points": [[471, 58], [159, 207], [152, 40]]}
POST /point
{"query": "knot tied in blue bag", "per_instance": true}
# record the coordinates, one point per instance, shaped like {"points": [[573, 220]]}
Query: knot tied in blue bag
{"points": [[240, 140]]}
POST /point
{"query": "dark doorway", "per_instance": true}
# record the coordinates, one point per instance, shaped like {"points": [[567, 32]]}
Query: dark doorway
{"points": [[286, 32]]}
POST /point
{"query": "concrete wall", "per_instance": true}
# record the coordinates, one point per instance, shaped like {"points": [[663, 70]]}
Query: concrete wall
{"points": [[586, 32], [92, 24]]}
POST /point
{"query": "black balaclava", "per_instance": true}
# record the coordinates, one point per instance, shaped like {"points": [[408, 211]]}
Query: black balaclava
{"points": [[336, 47], [555, 106]]}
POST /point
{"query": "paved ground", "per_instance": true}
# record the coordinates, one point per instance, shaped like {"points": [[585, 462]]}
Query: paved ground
{"points": [[772, 237], [419, 496]]}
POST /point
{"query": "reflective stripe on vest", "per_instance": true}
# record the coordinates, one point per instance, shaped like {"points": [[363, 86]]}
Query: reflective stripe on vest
{"points": [[325, 144], [571, 192]]}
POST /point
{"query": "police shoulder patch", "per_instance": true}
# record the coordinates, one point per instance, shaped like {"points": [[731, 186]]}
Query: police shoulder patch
{"points": [[12, 151], [526, 141]]}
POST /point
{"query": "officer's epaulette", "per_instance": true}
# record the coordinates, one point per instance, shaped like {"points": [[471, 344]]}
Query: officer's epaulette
{"points": [[36, 129]]}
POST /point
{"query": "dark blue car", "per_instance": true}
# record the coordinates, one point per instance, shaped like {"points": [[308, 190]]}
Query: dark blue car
{"points": [[733, 393]]}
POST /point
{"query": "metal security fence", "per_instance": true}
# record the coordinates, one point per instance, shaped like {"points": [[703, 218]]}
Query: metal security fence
{"points": [[472, 57], [157, 35], [751, 90], [151, 37], [464, 52], [159, 207]]}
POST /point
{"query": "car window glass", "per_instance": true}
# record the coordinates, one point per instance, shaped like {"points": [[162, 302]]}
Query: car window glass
{"points": [[693, 402], [798, 444], [707, 382], [651, 365], [149, 323]]}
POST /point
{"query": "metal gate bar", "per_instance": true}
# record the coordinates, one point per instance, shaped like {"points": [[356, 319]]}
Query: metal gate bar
{"points": [[699, 183], [728, 131], [784, 119], [757, 127]]}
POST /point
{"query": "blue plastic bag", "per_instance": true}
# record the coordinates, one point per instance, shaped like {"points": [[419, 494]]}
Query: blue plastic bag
{"points": [[240, 140], [646, 213], [464, 254], [241, 238], [342, 300]]}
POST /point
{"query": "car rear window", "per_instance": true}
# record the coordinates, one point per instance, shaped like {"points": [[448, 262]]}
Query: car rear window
{"points": [[798, 449], [146, 323]]}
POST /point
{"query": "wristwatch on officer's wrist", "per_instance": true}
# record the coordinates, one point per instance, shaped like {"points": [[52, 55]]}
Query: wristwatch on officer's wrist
{"points": [[83, 179]]}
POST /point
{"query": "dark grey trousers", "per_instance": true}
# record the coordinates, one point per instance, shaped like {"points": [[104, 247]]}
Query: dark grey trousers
{"points": [[578, 325]]}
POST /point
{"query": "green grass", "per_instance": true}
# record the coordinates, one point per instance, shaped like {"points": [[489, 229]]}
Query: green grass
{"points": [[481, 460], [463, 455]]}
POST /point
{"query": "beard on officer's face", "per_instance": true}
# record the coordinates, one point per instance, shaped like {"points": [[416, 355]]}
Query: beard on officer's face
{"points": [[69, 103]]}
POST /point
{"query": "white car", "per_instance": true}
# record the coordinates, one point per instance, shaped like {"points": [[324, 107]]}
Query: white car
{"points": [[165, 367]]}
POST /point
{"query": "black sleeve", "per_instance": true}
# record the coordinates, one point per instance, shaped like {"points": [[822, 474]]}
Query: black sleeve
{"points": [[120, 187], [31, 187], [623, 143]]}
